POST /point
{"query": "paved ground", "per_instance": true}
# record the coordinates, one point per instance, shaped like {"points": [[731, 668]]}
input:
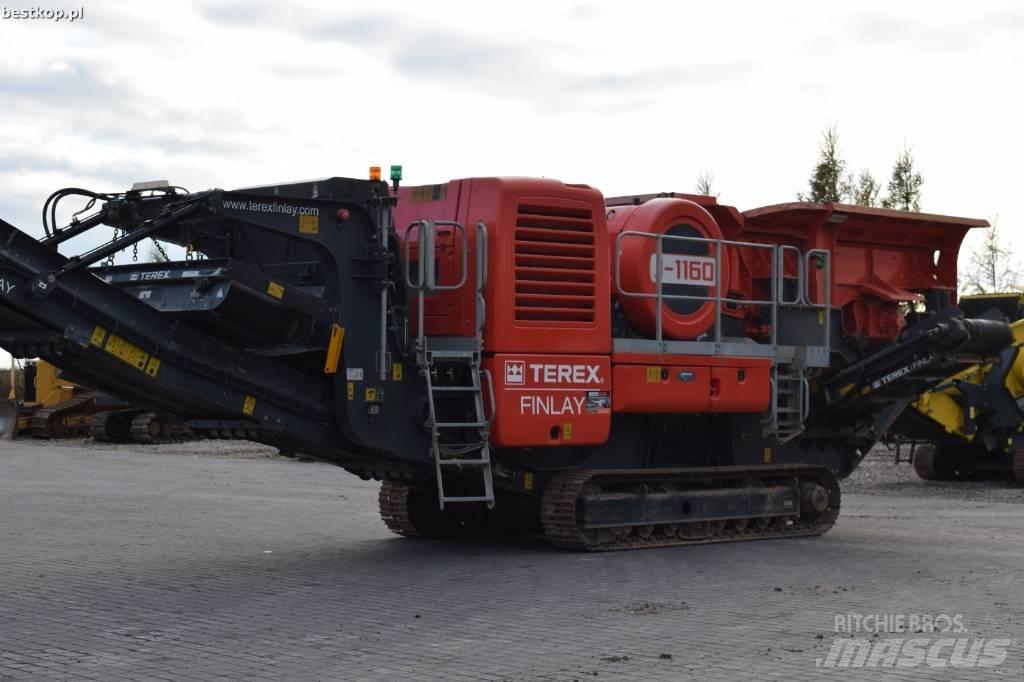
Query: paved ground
{"points": [[125, 565]]}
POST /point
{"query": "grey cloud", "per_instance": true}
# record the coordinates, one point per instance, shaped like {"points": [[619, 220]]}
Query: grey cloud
{"points": [[526, 69], [76, 84], [18, 215], [585, 11], [519, 67], [105, 111], [859, 30]]}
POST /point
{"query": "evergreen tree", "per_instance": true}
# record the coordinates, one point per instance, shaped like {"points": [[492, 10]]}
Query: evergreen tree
{"points": [[864, 190], [826, 183], [904, 192]]}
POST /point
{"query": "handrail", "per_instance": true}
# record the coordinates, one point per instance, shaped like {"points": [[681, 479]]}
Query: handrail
{"points": [[481, 277], [640, 294], [822, 256], [481, 255], [464, 248], [407, 254], [426, 279], [825, 258], [426, 282], [805, 399], [719, 290], [490, 394], [781, 274]]}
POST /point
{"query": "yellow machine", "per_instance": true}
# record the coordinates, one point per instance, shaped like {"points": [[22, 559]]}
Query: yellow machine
{"points": [[51, 407], [972, 423]]}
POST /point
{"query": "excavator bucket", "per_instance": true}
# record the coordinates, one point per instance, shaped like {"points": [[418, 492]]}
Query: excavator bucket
{"points": [[8, 419]]}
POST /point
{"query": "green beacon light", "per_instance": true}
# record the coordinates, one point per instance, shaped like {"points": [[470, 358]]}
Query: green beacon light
{"points": [[396, 176]]}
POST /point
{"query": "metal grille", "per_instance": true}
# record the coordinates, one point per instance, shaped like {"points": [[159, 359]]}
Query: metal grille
{"points": [[555, 275]]}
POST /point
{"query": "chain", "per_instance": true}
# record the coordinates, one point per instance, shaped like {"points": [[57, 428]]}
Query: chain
{"points": [[163, 254], [188, 244], [135, 252], [110, 258]]}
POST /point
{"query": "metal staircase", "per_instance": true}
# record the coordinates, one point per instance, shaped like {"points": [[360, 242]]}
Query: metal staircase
{"points": [[461, 440], [789, 407], [451, 366]]}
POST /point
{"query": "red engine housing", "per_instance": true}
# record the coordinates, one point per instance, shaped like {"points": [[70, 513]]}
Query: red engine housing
{"points": [[547, 286], [551, 283], [689, 268]]}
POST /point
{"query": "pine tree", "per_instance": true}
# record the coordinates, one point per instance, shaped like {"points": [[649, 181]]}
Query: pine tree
{"points": [[864, 190], [826, 183], [904, 192]]}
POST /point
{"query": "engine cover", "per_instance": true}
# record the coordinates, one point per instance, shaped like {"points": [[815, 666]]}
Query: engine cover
{"points": [[688, 266]]}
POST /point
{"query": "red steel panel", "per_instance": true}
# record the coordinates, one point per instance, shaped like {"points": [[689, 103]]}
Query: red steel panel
{"points": [[550, 400]]}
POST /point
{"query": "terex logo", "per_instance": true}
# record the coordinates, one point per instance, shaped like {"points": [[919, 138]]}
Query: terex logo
{"points": [[565, 374], [515, 372], [161, 274]]}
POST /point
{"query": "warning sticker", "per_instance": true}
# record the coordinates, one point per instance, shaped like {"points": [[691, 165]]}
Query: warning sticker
{"points": [[430, 193], [597, 401], [354, 374], [98, 336], [126, 351]]}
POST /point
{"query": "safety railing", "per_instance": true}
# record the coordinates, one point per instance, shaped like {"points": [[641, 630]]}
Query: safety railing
{"points": [[427, 276], [802, 297]]}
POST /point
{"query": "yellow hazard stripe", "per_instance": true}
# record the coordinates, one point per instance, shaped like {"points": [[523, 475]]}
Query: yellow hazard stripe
{"points": [[334, 349]]}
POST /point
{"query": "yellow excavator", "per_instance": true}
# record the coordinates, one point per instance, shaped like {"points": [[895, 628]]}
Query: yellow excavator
{"points": [[50, 407], [971, 426]]}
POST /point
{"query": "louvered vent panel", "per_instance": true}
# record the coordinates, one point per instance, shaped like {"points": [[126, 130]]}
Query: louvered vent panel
{"points": [[554, 269]]}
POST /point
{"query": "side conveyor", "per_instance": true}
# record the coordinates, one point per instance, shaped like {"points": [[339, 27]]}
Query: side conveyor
{"points": [[102, 335]]}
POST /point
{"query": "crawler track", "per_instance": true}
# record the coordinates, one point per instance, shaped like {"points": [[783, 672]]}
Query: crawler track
{"points": [[412, 512], [113, 426], [925, 462], [67, 419], [394, 509], [136, 426], [149, 428], [560, 517]]}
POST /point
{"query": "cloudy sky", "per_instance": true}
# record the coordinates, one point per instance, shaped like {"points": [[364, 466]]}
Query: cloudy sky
{"points": [[626, 96]]}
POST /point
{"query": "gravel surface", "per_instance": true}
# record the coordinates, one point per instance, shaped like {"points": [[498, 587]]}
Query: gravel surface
{"points": [[222, 561], [229, 449], [879, 475]]}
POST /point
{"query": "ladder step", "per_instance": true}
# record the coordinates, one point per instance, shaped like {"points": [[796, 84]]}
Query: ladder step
{"points": [[482, 498], [454, 389], [463, 462], [460, 425], [452, 354]]}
